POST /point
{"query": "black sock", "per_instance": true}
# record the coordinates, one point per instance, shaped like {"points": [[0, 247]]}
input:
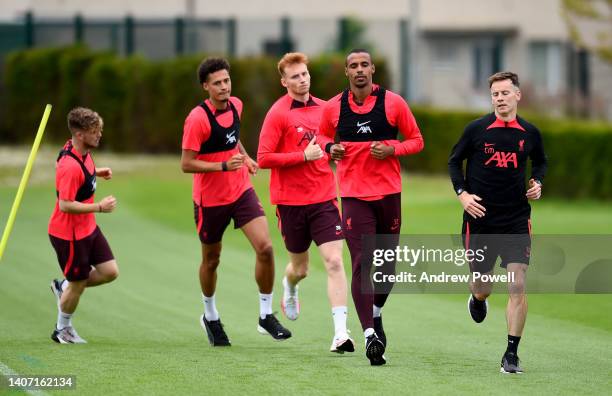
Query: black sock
{"points": [[513, 342]]}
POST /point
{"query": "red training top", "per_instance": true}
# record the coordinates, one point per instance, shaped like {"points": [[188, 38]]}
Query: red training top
{"points": [[288, 128], [379, 118], [214, 188], [69, 178]]}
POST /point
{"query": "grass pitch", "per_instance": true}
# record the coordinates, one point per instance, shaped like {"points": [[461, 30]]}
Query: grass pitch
{"points": [[143, 331]]}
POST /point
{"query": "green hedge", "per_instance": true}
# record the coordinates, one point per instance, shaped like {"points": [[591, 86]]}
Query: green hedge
{"points": [[579, 152], [144, 105]]}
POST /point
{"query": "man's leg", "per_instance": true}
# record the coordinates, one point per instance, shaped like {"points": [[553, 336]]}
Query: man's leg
{"points": [[210, 321], [331, 253], [258, 235], [208, 268], [64, 333], [296, 270], [358, 219], [516, 311], [103, 273]]}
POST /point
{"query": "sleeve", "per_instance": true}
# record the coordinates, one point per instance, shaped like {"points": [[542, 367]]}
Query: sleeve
{"points": [[459, 153], [405, 122], [270, 135], [327, 129], [539, 163], [194, 133], [68, 179]]}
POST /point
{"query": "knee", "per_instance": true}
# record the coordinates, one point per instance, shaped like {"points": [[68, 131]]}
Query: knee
{"points": [[301, 272], [334, 265], [211, 260], [264, 252], [112, 274]]}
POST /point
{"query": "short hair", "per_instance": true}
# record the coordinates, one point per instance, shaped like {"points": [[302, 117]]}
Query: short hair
{"points": [[506, 75], [82, 119], [356, 51], [211, 65], [291, 58]]}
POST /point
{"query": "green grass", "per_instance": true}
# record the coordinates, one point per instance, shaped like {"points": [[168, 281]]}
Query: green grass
{"points": [[144, 336]]}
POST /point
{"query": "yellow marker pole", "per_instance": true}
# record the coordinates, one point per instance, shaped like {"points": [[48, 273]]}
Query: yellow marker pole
{"points": [[24, 180]]}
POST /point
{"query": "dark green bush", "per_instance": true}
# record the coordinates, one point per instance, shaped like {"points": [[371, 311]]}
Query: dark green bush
{"points": [[144, 105]]}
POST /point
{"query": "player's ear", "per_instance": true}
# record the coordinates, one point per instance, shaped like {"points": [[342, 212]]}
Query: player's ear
{"points": [[373, 68], [283, 82], [205, 86], [518, 95], [346, 71]]}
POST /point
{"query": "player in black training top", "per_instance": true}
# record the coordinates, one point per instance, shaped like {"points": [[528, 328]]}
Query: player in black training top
{"points": [[495, 199]]}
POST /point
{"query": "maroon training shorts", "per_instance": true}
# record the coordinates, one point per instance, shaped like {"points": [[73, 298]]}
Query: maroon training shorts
{"points": [[302, 224], [212, 221], [76, 257]]}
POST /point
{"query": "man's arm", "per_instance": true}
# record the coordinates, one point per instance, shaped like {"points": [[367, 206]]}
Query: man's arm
{"points": [[327, 131], [413, 140], [105, 173], [106, 205], [190, 163], [269, 138], [248, 161], [455, 168], [539, 164]]}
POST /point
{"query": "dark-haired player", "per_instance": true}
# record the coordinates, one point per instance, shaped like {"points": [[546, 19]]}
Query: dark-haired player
{"points": [[222, 191], [366, 119], [495, 201]]}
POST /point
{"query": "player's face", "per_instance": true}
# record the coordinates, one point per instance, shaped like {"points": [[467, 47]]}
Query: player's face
{"points": [[219, 85], [505, 97], [359, 69], [296, 79], [90, 138]]}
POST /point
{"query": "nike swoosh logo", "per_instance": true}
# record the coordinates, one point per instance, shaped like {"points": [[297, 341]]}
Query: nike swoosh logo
{"points": [[394, 228], [360, 124], [489, 144]]}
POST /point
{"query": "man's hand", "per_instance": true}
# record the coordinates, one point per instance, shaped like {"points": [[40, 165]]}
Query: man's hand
{"points": [[235, 162], [313, 151], [105, 173], [535, 190], [251, 164], [337, 151], [381, 151], [470, 204], [108, 204]]}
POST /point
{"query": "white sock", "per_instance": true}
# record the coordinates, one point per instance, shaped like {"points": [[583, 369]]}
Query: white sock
{"points": [[210, 308], [63, 320], [376, 311], [339, 314], [265, 305], [368, 332], [291, 289], [64, 285]]}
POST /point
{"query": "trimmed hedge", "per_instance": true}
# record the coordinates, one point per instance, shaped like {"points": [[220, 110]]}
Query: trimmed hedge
{"points": [[144, 105]]}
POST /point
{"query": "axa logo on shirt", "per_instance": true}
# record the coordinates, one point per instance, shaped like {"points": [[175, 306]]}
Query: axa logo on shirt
{"points": [[503, 159], [230, 137], [306, 136], [364, 127]]}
